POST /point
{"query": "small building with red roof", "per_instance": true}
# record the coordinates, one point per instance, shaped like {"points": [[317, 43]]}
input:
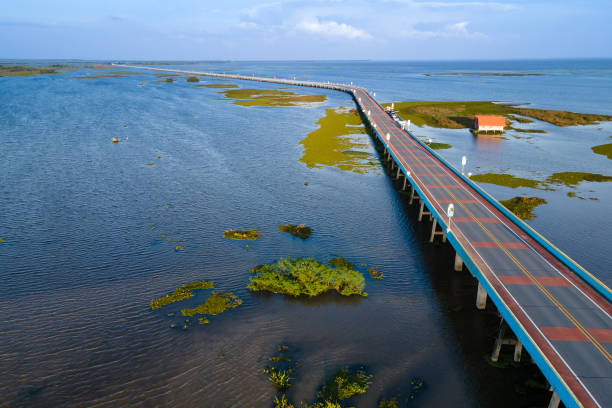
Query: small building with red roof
{"points": [[487, 123]]}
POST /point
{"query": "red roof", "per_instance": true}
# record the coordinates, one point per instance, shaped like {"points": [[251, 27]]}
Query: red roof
{"points": [[490, 120]]}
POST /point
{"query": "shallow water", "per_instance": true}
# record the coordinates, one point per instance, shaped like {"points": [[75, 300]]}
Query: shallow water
{"points": [[80, 262]]}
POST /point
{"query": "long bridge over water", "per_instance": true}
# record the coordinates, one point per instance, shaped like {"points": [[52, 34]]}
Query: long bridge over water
{"points": [[558, 311]]}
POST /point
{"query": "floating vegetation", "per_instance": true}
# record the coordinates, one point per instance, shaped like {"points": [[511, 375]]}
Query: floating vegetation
{"points": [[1, 240], [279, 374], [573, 178], [162, 235], [170, 314], [179, 248], [523, 206], [24, 70], [168, 80], [257, 268], [306, 276], [203, 320], [459, 115], [282, 348], [276, 359], [282, 402], [181, 293], [438, 146], [193, 79], [389, 403], [280, 378], [270, 97], [165, 207], [149, 164], [300, 231], [250, 235], [340, 263], [153, 227], [344, 384], [115, 140], [416, 384], [339, 142], [604, 149], [216, 303], [506, 180], [376, 273], [217, 86]]}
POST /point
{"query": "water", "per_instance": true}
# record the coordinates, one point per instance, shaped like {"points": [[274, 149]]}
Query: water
{"points": [[81, 262]]}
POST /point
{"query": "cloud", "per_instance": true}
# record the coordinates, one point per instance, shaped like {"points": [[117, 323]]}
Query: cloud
{"points": [[458, 29], [460, 4], [332, 29]]}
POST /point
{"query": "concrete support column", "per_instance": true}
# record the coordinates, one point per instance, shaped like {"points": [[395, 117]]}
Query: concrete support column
{"points": [[554, 401], [405, 182], [518, 350], [397, 176], [458, 263], [412, 195], [423, 211], [502, 339], [481, 297], [433, 230]]}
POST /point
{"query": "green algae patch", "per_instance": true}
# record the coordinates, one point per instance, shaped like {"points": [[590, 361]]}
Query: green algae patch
{"points": [[506, 180], [339, 142], [193, 79], [376, 273], [604, 149], [217, 86], [341, 263], [522, 207], [216, 303], [250, 235], [300, 231], [168, 80], [306, 276], [573, 178], [460, 114], [270, 97], [345, 384], [438, 146], [24, 70], [181, 293]]}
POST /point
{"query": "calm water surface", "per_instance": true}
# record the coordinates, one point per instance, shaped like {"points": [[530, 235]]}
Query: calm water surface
{"points": [[81, 261]]}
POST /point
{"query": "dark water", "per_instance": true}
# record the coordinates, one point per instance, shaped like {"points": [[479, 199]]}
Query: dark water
{"points": [[80, 261]]}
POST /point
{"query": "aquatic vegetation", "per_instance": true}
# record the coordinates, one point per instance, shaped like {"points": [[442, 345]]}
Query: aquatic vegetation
{"points": [[338, 143], [340, 263], [573, 178], [276, 359], [24, 70], [216, 303], [460, 114], [168, 80], [203, 320], [115, 140], [250, 235], [519, 119], [179, 248], [282, 348], [257, 268], [270, 97], [113, 74], [523, 206], [193, 79], [438, 146], [388, 403], [149, 164], [376, 273], [416, 384], [280, 378], [604, 149], [526, 130], [300, 231], [1, 240], [306, 276], [217, 86], [282, 402], [181, 293], [344, 384], [506, 180]]}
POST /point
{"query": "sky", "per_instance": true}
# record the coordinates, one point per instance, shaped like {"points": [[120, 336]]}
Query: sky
{"points": [[305, 30]]}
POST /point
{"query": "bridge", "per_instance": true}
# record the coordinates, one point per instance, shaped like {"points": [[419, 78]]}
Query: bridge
{"points": [[557, 311]]}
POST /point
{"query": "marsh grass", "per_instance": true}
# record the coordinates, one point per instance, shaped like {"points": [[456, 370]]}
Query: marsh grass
{"points": [[506, 180], [341, 263], [216, 303], [438, 146], [523, 207], [339, 142], [604, 149], [300, 231], [193, 79], [181, 293], [270, 97], [282, 402], [168, 80], [460, 114], [250, 235], [388, 403], [217, 86], [24, 70], [306, 276], [345, 384]]}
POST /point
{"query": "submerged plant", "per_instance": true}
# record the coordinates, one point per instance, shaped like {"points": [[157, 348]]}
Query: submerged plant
{"points": [[250, 235], [183, 292], [522, 207], [279, 377], [282, 402], [340, 263], [306, 276], [300, 231], [217, 303], [345, 384], [388, 403], [376, 273]]}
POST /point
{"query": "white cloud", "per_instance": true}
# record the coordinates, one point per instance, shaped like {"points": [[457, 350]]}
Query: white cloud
{"points": [[458, 29], [247, 25], [461, 4], [332, 29]]}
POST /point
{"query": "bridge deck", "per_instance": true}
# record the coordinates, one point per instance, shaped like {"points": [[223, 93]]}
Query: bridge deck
{"points": [[564, 322]]}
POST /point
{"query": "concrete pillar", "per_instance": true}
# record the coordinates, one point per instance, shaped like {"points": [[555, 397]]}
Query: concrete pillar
{"points": [[554, 401], [433, 230], [499, 340], [458, 263], [518, 349], [397, 176], [405, 182], [412, 197], [421, 210], [481, 297]]}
